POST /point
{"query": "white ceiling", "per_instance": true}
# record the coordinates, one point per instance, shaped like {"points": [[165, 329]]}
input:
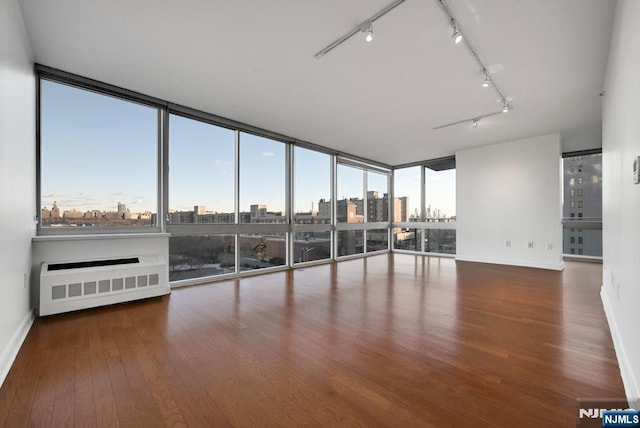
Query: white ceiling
{"points": [[253, 61]]}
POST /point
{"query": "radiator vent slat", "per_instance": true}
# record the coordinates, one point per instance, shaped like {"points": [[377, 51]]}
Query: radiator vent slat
{"points": [[92, 263]]}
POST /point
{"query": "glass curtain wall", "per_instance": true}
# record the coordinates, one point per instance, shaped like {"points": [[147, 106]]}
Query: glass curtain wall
{"points": [[233, 201]]}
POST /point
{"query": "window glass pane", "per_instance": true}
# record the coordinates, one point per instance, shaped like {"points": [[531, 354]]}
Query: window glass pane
{"points": [[377, 197], [406, 182], [407, 239], [309, 246], [377, 239], [440, 241], [350, 204], [263, 168], [582, 177], [312, 180], [99, 157], [440, 194], [350, 242], [259, 251], [200, 256], [201, 172]]}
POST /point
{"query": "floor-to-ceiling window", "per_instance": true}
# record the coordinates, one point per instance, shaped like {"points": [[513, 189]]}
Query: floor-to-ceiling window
{"points": [[362, 208], [582, 204], [313, 209], [427, 194], [233, 198], [440, 210], [201, 192]]}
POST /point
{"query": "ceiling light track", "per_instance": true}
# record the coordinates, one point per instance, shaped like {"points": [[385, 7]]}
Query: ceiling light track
{"points": [[472, 120], [487, 80], [365, 27]]}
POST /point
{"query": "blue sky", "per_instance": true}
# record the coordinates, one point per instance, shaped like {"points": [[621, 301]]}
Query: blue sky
{"points": [[95, 151], [98, 150]]}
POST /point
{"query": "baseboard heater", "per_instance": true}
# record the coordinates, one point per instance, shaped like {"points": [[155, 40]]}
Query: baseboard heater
{"points": [[70, 286]]}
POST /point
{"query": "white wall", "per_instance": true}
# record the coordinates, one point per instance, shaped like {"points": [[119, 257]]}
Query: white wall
{"points": [[17, 180], [620, 197], [583, 138], [510, 192]]}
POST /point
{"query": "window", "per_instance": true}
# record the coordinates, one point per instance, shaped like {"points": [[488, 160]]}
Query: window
{"points": [[312, 180], [262, 180], [588, 205], [406, 182], [377, 197], [350, 202], [440, 195], [407, 239], [200, 256], [573, 239], [98, 160], [310, 246], [377, 240], [350, 242], [440, 241], [261, 250], [201, 172]]}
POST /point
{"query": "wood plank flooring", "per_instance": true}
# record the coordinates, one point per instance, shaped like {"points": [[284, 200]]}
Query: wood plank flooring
{"points": [[390, 340]]}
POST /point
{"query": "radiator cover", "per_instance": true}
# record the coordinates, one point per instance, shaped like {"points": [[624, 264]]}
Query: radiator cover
{"points": [[70, 286]]}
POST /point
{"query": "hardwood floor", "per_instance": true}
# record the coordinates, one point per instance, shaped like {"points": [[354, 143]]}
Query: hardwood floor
{"points": [[391, 340]]}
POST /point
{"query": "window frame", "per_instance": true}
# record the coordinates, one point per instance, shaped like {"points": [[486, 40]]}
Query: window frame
{"points": [[90, 85]]}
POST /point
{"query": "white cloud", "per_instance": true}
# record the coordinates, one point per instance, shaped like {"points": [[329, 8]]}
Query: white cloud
{"points": [[268, 154]]}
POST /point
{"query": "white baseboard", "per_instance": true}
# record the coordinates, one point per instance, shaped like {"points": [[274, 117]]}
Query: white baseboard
{"points": [[523, 263], [10, 352], [631, 387]]}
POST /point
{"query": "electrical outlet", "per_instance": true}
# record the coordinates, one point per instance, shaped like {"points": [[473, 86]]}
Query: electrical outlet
{"points": [[507, 243], [549, 246], [531, 244]]}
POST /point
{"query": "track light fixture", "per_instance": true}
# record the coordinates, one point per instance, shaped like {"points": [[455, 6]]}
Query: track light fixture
{"points": [[367, 29], [457, 35], [486, 82]]}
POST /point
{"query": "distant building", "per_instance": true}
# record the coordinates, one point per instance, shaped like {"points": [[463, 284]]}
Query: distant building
{"points": [[583, 203]]}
